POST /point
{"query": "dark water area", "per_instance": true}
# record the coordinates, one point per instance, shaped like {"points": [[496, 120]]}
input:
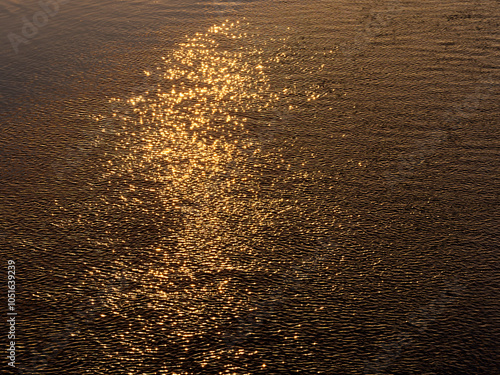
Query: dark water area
{"points": [[251, 187]]}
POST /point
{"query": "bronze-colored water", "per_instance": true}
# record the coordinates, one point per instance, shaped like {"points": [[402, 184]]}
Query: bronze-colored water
{"points": [[253, 187]]}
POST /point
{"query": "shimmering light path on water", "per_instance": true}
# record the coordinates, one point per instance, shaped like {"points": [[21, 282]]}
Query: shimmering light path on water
{"points": [[253, 187]]}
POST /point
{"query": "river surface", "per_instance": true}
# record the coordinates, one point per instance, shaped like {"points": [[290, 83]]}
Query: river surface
{"points": [[251, 187]]}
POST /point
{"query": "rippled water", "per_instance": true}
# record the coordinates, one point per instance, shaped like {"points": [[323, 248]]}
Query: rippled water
{"points": [[252, 187]]}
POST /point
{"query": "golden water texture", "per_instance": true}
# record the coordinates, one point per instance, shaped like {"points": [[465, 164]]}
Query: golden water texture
{"points": [[188, 196], [302, 188]]}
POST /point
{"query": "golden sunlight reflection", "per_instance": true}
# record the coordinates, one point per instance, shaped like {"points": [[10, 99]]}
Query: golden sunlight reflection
{"points": [[184, 177], [192, 132]]}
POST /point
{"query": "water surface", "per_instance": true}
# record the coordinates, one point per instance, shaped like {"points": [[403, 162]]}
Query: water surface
{"points": [[253, 187]]}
